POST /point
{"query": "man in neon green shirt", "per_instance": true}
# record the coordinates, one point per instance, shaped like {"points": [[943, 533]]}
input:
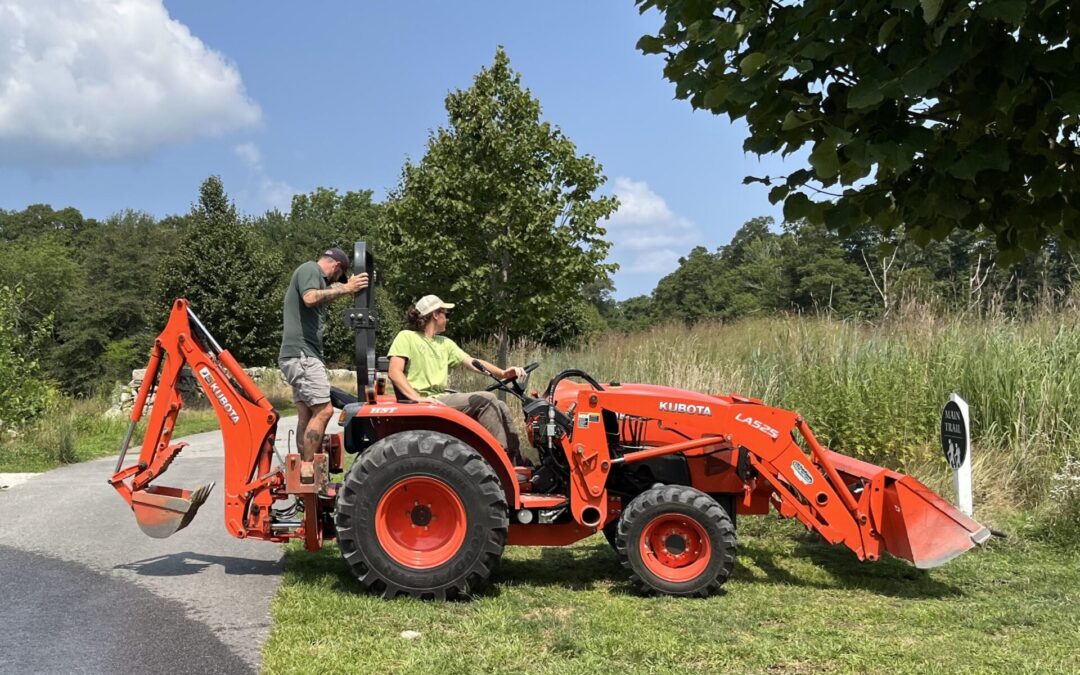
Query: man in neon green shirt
{"points": [[420, 363]]}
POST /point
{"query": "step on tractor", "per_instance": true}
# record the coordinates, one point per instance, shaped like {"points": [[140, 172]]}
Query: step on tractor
{"points": [[431, 500]]}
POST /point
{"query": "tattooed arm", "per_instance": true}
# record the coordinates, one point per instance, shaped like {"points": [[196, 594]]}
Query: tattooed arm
{"points": [[317, 297]]}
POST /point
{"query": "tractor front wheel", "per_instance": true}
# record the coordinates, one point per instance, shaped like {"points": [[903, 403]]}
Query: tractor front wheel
{"points": [[676, 540], [421, 514]]}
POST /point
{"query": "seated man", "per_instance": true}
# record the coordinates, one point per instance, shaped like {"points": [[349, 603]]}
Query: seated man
{"points": [[420, 363]]}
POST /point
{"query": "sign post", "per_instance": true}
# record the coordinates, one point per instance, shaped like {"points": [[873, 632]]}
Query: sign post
{"points": [[956, 444]]}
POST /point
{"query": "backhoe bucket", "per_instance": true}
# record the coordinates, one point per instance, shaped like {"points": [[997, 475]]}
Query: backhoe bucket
{"points": [[163, 511], [914, 522]]}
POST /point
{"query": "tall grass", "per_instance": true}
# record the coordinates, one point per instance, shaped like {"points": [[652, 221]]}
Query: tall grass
{"points": [[77, 430]]}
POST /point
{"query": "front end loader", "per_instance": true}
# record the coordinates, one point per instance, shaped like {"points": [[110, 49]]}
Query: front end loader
{"points": [[432, 500]]}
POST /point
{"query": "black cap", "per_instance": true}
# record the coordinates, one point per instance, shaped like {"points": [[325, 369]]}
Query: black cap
{"points": [[339, 257]]}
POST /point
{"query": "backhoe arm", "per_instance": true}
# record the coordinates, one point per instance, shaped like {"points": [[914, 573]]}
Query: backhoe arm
{"points": [[248, 425]]}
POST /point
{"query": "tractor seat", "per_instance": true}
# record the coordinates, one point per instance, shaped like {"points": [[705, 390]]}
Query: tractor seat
{"points": [[340, 398]]}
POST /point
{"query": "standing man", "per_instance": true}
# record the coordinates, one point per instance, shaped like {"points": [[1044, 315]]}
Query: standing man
{"points": [[313, 285], [420, 363]]}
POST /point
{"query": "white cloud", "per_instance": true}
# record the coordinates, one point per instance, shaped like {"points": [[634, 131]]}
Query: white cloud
{"points": [[85, 80], [644, 221], [275, 194], [647, 236], [249, 154]]}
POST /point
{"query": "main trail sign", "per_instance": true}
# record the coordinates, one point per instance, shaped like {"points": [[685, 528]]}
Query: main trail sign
{"points": [[956, 445]]}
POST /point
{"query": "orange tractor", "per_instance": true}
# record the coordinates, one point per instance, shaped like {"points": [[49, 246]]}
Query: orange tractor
{"points": [[432, 500]]}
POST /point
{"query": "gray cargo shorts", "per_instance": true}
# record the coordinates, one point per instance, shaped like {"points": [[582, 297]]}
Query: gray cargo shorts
{"points": [[307, 377]]}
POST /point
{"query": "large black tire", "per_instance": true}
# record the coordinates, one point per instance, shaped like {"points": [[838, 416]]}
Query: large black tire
{"points": [[451, 470], [676, 540]]}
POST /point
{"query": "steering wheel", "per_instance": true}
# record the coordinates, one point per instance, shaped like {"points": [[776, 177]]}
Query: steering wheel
{"points": [[518, 385]]}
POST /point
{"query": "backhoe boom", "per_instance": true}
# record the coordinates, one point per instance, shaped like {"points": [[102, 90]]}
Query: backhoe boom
{"points": [[248, 426]]}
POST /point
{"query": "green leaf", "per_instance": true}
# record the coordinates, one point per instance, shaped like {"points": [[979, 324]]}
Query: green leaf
{"points": [[1009, 11], [1068, 102], [798, 177], [794, 120], [1046, 183], [918, 81], [988, 153], [778, 193], [797, 206], [817, 51], [886, 30], [930, 9], [649, 44], [824, 159], [715, 97], [865, 94], [752, 63]]}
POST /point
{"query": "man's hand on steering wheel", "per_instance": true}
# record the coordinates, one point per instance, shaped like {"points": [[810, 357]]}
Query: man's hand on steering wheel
{"points": [[517, 378], [513, 373]]}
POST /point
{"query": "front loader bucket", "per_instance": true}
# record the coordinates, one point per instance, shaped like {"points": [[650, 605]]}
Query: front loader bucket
{"points": [[163, 511], [920, 526], [915, 523]]}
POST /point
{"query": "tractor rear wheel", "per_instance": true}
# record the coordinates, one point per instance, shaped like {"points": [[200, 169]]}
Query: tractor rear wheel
{"points": [[676, 540], [421, 514]]}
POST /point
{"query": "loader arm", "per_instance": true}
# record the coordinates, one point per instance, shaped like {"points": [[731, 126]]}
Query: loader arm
{"points": [[867, 508], [248, 426]]}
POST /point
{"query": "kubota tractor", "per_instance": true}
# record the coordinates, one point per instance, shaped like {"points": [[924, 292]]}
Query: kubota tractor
{"points": [[431, 500]]}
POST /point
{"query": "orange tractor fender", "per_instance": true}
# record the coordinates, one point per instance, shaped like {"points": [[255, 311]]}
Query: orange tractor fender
{"points": [[390, 416]]}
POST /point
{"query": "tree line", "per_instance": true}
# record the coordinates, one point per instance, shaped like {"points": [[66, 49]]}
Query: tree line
{"points": [[806, 268]]}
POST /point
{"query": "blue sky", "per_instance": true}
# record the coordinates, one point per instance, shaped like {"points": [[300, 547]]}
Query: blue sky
{"points": [[131, 104]]}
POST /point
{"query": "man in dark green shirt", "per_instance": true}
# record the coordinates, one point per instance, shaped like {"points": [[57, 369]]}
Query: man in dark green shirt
{"points": [[313, 285]]}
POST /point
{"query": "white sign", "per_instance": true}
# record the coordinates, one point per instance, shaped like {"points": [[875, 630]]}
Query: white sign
{"points": [[956, 445]]}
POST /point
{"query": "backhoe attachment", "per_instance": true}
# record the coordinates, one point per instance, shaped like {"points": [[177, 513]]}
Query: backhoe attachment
{"points": [[248, 425]]}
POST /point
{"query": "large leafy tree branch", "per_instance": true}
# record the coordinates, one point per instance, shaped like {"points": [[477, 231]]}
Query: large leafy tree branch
{"points": [[930, 114]]}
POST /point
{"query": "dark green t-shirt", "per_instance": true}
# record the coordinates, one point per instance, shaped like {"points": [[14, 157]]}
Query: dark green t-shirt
{"points": [[302, 326]]}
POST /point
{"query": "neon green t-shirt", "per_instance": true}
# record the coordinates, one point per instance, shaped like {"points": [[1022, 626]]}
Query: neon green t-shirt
{"points": [[428, 361]]}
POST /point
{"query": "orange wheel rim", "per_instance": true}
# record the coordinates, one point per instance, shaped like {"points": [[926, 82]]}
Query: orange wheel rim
{"points": [[420, 522], [675, 547]]}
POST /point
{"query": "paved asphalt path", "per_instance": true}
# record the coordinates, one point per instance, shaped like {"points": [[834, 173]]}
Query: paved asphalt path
{"points": [[83, 590]]}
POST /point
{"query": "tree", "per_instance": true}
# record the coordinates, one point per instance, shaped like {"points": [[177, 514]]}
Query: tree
{"points": [[40, 219], [499, 215], [221, 268], [320, 219], [634, 314], [825, 273], [689, 293], [106, 325], [932, 115], [24, 392]]}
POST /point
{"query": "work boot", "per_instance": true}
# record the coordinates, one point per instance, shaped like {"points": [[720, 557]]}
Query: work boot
{"points": [[307, 473]]}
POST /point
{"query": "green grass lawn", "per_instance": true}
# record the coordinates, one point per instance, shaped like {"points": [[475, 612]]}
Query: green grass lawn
{"points": [[794, 604]]}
